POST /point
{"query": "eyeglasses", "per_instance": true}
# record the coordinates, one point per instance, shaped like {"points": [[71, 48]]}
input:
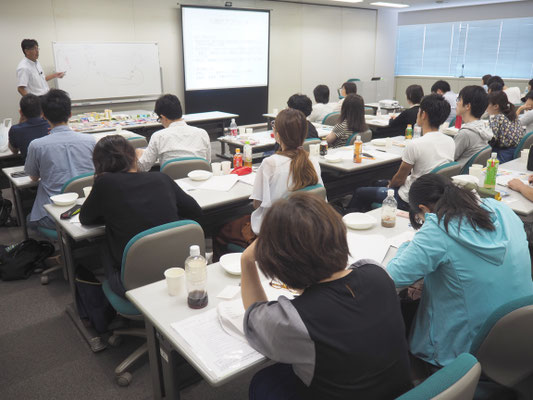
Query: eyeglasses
{"points": [[280, 285], [273, 124]]}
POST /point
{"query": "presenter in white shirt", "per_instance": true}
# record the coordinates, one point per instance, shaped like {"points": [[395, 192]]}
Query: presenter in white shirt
{"points": [[420, 157], [177, 139], [30, 74]]}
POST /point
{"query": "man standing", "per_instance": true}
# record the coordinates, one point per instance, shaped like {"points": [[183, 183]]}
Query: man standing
{"points": [[57, 157], [30, 74]]}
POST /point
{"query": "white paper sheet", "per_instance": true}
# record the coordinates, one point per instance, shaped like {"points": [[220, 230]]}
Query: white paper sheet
{"points": [[217, 351], [367, 246], [184, 185], [403, 237], [248, 179], [221, 183]]}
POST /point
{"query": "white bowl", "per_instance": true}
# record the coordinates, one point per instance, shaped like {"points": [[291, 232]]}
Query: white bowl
{"points": [[359, 221], [463, 180], [332, 158], [231, 263], [378, 142], [199, 175], [65, 199]]}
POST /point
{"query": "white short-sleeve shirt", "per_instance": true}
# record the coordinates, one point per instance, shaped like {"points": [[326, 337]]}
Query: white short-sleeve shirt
{"points": [[320, 110], [513, 95], [30, 75], [424, 154], [178, 140], [272, 183]]}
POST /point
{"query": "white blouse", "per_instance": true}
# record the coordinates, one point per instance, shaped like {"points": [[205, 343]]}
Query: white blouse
{"points": [[272, 183]]}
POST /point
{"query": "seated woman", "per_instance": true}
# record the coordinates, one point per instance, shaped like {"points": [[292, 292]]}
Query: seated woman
{"points": [[343, 337], [129, 202], [473, 256], [398, 125], [505, 126], [280, 174], [352, 121]]}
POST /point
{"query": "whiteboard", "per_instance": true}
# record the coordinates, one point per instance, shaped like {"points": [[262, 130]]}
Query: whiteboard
{"points": [[108, 70], [224, 48]]}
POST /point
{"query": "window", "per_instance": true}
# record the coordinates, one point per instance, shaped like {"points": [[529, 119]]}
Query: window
{"points": [[471, 48]]}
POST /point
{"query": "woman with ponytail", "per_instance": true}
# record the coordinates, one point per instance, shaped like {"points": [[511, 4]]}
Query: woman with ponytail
{"points": [[473, 256], [505, 125], [288, 170]]}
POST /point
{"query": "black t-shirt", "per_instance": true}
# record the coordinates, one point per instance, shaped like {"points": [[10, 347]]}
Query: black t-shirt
{"points": [[22, 134], [398, 125], [129, 203]]}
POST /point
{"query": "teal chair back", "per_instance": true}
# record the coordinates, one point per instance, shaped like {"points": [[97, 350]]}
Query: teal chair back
{"points": [[448, 169], [76, 184], [138, 142], [178, 168], [456, 381], [525, 143], [452, 122], [503, 345], [480, 157], [318, 190], [332, 119], [366, 136], [309, 141], [149, 253]]}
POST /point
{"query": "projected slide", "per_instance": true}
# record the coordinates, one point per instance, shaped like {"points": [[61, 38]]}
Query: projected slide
{"points": [[224, 48]]}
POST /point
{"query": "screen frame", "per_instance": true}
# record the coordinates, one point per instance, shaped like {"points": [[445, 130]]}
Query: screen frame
{"points": [[227, 9]]}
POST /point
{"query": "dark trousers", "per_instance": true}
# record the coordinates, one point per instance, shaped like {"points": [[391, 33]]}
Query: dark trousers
{"points": [[363, 197], [277, 382], [504, 154], [112, 271]]}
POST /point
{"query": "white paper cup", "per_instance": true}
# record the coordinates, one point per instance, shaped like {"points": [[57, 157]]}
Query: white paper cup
{"points": [[242, 130], [249, 131], [388, 143], [314, 150], [216, 168], [226, 167], [175, 278], [524, 155], [476, 170], [87, 190]]}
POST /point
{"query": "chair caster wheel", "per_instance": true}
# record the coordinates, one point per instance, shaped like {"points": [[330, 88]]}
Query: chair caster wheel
{"points": [[45, 279], [124, 379], [114, 340]]}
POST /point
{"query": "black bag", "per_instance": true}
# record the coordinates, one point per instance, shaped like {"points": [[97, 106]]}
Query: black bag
{"points": [[18, 261], [5, 211], [91, 301]]}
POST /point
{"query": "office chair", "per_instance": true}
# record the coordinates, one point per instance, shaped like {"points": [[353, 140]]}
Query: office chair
{"points": [[178, 168]]}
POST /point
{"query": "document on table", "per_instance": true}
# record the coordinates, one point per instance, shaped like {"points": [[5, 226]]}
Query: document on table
{"points": [[363, 246], [249, 179], [221, 183], [504, 177], [217, 351]]}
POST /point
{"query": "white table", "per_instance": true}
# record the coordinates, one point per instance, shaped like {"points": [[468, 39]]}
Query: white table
{"points": [[515, 200], [211, 199], [161, 310], [17, 184], [376, 105]]}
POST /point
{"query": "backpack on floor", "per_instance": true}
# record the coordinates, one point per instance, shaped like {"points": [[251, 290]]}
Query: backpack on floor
{"points": [[18, 261], [5, 210], [91, 301]]}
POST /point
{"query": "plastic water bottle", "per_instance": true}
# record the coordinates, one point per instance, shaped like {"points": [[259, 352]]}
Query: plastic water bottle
{"points": [[388, 210], [247, 153], [237, 159], [409, 132], [196, 278], [233, 128], [492, 172], [417, 132], [358, 150]]}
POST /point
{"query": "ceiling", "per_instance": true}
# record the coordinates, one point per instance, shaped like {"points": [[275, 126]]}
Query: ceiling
{"points": [[413, 4]]}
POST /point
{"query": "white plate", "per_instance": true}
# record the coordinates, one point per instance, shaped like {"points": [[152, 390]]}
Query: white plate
{"points": [[359, 221], [332, 158], [379, 142], [65, 199], [231, 263], [462, 180], [199, 175]]}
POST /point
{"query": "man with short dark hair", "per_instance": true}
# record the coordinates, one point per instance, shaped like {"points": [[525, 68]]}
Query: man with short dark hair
{"points": [[322, 106], [177, 139], [420, 156], [32, 125], [30, 74], [513, 93], [443, 88], [303, 103], [57, 157], [474, 134]]}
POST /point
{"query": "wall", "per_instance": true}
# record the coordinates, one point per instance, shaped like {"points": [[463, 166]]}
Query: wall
{"points": [[308, 44]]}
